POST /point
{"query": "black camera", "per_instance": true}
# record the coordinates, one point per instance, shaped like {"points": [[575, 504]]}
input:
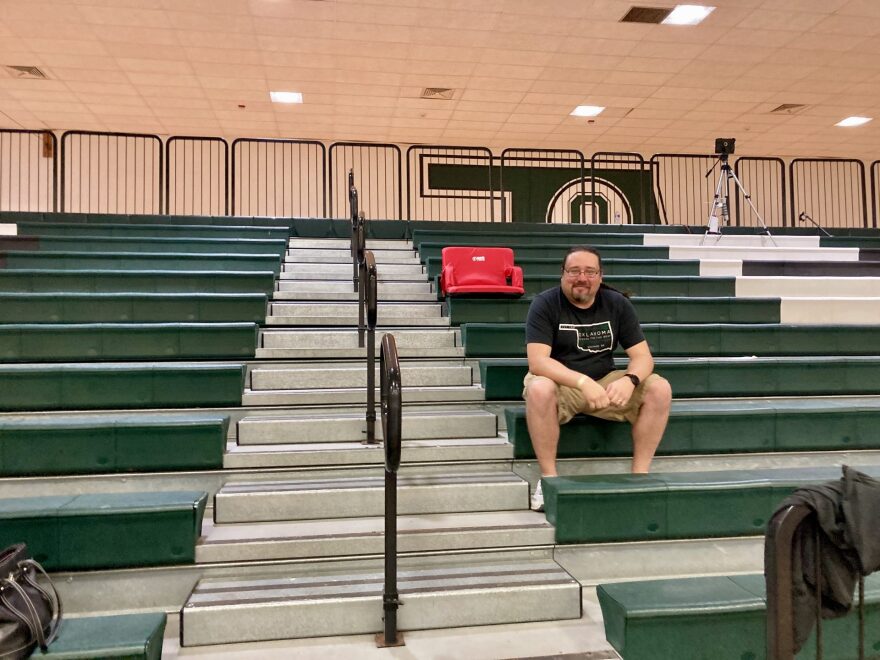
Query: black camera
{"points": [[725, 146]]}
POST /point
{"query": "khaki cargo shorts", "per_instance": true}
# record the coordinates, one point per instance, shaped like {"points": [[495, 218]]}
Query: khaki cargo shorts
{"points": [[570, 401]]}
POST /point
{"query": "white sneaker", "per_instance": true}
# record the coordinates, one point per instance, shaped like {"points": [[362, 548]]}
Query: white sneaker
{"points": [[537, 503]]}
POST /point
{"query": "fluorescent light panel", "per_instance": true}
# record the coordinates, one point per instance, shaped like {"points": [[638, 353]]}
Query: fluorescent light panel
{"points": [[286, 97], [587, 110], [688, 15], [853, 121]]}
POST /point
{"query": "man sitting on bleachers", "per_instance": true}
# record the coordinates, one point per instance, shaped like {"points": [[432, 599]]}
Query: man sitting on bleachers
{"points": [[572, 331]]}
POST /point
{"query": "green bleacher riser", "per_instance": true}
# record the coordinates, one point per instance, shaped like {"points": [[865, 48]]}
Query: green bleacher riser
{"points": [[118, 637], [107, 530], [541, 249], [711, 377], [693, 429], [139, 281], [48, 445], [273, 246], [465, 237], [19, 243], [126, 341], [673, 309], [122, 385], [132, 307], [683, 505], [721, 617], [700, 339], [869, 242], [148, 230], [542, 267], [139, 261]]}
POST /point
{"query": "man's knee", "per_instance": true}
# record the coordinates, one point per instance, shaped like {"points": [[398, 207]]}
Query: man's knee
{"points": [[541, 393], [658, 393]]}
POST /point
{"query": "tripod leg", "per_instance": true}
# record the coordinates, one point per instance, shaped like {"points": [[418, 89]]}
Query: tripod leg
{"points": [[751, 204]]}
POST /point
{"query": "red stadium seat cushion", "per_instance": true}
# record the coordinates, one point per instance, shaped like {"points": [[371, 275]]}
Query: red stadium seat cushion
{"points": [[476, 270]]}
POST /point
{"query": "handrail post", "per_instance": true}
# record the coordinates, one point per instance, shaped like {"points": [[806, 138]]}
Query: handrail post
{"points": [[369, 287], [353, 205], [361, 268], [391, 427]]}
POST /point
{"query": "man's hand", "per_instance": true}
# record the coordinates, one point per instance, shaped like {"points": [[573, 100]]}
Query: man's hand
{"points": [[595, 396], [620, 391]]}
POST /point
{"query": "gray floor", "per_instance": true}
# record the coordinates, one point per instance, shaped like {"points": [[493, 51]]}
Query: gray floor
{"points": [[581, 639]]}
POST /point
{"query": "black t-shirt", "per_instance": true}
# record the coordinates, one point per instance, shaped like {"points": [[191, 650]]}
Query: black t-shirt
{"points": [[583, 339]]}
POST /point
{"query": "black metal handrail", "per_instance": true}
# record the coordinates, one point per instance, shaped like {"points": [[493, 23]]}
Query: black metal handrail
{"points": [[361, 266], [353, 206], [222, 183], [808, 192], [779, 555], [368, 286], [17, 166], [391, 428]]}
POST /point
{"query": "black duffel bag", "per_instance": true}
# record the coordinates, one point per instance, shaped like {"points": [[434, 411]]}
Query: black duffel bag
{"points": [[29, 612]]}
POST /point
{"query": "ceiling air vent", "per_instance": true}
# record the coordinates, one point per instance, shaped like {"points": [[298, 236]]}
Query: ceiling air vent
{"points": [[25, 72], [438, 93], [788, 109], [645, 15]]}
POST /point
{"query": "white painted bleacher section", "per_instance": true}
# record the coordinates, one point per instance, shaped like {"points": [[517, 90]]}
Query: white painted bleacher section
{"points": [[8, 229]]}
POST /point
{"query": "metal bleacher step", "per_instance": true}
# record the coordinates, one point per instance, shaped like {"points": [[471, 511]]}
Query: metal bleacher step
{"points": [[293, 271], [518, 588], [339, 428], [345, 244], [458, 450], [346, 314], [382, 289], [353, 496], [340, 255], [329, 396], [351, 296], [340, 376], [343, 343], [366, 536]]}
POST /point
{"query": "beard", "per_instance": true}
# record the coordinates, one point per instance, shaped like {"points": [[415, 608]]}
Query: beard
{"points": [[581, 294]]}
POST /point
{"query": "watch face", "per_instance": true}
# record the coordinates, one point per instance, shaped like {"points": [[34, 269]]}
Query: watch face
{"points": [[634, 379]]}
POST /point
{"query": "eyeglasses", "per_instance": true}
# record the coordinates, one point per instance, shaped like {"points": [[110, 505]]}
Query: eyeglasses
{"points": [[574, 273]]}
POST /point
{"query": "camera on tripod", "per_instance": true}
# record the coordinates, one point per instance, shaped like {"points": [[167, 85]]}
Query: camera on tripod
{"points": [[725, 146]]}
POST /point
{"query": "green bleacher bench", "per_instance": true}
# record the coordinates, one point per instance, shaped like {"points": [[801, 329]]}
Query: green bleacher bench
{"points": [[510, 239], [116, 637], [275, 246], [141, 281], [107, 530], [44, 445], [132, 230], [850, 241], [649, 309], [717, 617], [545, 250], [43, 342], [703, 339], [120, 385], [723, 377], [543, 267], [811, 269], [177, 261], [131, 307], [684, 505], [697, 427]]}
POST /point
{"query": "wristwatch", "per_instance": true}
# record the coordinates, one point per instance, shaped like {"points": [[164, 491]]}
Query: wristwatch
{"points": [[635, 379]]}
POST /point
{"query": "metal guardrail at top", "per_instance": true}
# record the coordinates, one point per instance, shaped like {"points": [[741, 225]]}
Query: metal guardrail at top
{"points": [[684, 193], [764, 181], [875, 192], [471, 200], [779, 576], [28, 170], [196, 176], [544, 158], [281, 178], [621, 160], [392, 404], [111, 173], [827, 189], [379, 178]]}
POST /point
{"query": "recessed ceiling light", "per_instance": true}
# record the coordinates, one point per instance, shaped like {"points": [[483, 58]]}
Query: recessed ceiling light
{"points": [[286, 97], [587, 110], [853, 121], [688, 15]]}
